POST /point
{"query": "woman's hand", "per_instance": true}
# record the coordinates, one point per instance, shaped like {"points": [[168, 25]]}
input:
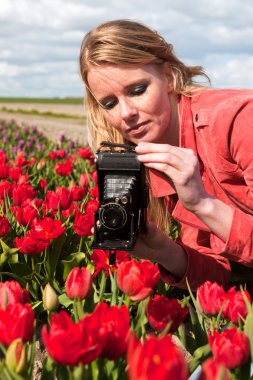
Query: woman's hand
{"points": [[156, 246], [180, 166]]}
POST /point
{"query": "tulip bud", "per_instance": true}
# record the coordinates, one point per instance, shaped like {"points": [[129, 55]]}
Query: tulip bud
{"points": [[41, 163], [16, 359], [78, 283], [71, 184], [50, 298]]}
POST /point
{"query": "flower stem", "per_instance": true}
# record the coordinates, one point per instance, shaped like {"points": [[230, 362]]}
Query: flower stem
{"points": [[80, 244]]}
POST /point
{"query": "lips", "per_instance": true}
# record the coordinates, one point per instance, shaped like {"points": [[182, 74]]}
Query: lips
{"points": [[137, 129]]}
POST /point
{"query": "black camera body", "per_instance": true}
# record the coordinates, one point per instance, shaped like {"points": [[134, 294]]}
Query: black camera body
{"points": [[123, 197]]}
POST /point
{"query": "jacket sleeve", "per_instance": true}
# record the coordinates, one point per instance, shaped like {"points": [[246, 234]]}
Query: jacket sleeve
{"points": [[239, 246], [203, 263]]}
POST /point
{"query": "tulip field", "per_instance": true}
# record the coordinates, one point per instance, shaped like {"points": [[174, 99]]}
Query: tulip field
{"points": [[93, 320]]}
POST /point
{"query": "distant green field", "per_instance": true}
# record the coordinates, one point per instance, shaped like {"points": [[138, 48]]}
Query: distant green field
{"points": [[43, 100], [38, 113]]}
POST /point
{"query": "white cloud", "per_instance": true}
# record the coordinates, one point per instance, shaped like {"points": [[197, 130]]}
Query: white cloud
{"points": [[40, 40], [235, 72]]}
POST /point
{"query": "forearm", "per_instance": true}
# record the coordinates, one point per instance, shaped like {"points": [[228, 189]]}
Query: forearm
{"points": [[156, 246], [174, 259], [216, 215]]}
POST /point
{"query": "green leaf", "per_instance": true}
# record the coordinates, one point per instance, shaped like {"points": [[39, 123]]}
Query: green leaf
{"points": [[48, 369], [248, 329], [242, 372], [198, 329], [54, 254], [199, 356], [64, 300], [16, 277], [7, 250], [62, 373], [20, 269], [74, 259], [248, 324]]}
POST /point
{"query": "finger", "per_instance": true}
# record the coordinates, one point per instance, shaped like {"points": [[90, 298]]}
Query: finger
{"points": [[172, 173], [166, 159], [145, 148]]}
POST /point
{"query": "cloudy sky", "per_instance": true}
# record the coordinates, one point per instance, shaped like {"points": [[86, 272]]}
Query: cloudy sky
{"points": [[40, 40]]}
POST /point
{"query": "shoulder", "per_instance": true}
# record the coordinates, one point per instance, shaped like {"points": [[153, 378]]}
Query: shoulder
{"points": [[221, 97], [221, 106], [219, 116]]}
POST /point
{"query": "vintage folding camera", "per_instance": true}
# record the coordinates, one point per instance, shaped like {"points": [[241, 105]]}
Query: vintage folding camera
{"points": [[123, 197]]}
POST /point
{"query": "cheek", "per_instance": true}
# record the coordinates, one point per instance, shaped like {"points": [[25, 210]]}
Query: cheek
{"points": [[110, 117], [161, 107]]}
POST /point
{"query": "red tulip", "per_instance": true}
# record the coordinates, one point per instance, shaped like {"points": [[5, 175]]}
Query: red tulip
{"points": [[5, 189], [16, 321], [116, 322], [94, 176], [101, 260], [43, 184], [230, 347], [84, 153], [47, 229], [91, 206], [24, 214], [211, 297], [161, 311], [4, 171], [83, 224], [93, 192], [155, 358], [3, 157], [22, 192], [12, 293], [16, 356], [64, 169], [211, 369], [4, 226], [137, 278], [72, 344], [21, 160], [61, 153], [79, 283], [235, 308], [30, 245], [53, 155], [78, 193], [61, 197], [15, 173], [84, 180]]}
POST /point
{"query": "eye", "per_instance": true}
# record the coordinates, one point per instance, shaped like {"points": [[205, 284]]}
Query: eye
{"points": [[138, 90], [109, 103]]}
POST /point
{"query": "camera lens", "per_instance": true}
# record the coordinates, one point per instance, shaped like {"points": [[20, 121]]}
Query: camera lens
{"points": [[113, 216]]}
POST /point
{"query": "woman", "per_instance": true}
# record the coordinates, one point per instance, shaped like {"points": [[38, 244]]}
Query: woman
{"points": [[195, 142]]}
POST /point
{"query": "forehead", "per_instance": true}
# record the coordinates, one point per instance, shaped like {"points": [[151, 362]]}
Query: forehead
{"points": [[112, 77]]}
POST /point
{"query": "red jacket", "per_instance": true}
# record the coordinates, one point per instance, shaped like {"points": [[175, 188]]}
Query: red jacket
{"points": [[218, 126]]}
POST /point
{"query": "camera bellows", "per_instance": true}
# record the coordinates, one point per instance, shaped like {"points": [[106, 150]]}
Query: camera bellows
{"points": [[122, 199]]}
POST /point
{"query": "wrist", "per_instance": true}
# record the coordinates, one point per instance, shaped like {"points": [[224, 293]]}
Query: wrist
{"points": [[216, 215]]}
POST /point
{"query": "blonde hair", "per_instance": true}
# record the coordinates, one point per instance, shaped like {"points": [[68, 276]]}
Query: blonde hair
{"points": [[129, 43]]}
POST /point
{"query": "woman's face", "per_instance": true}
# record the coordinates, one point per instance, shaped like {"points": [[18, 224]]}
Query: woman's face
{"points": [[135, 101]]}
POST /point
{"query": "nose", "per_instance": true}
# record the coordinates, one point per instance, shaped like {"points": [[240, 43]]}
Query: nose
{"points": [[128, 109]]}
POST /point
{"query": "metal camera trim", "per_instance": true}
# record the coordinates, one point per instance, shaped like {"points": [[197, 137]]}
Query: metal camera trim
{"points": [[103, 208]]}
